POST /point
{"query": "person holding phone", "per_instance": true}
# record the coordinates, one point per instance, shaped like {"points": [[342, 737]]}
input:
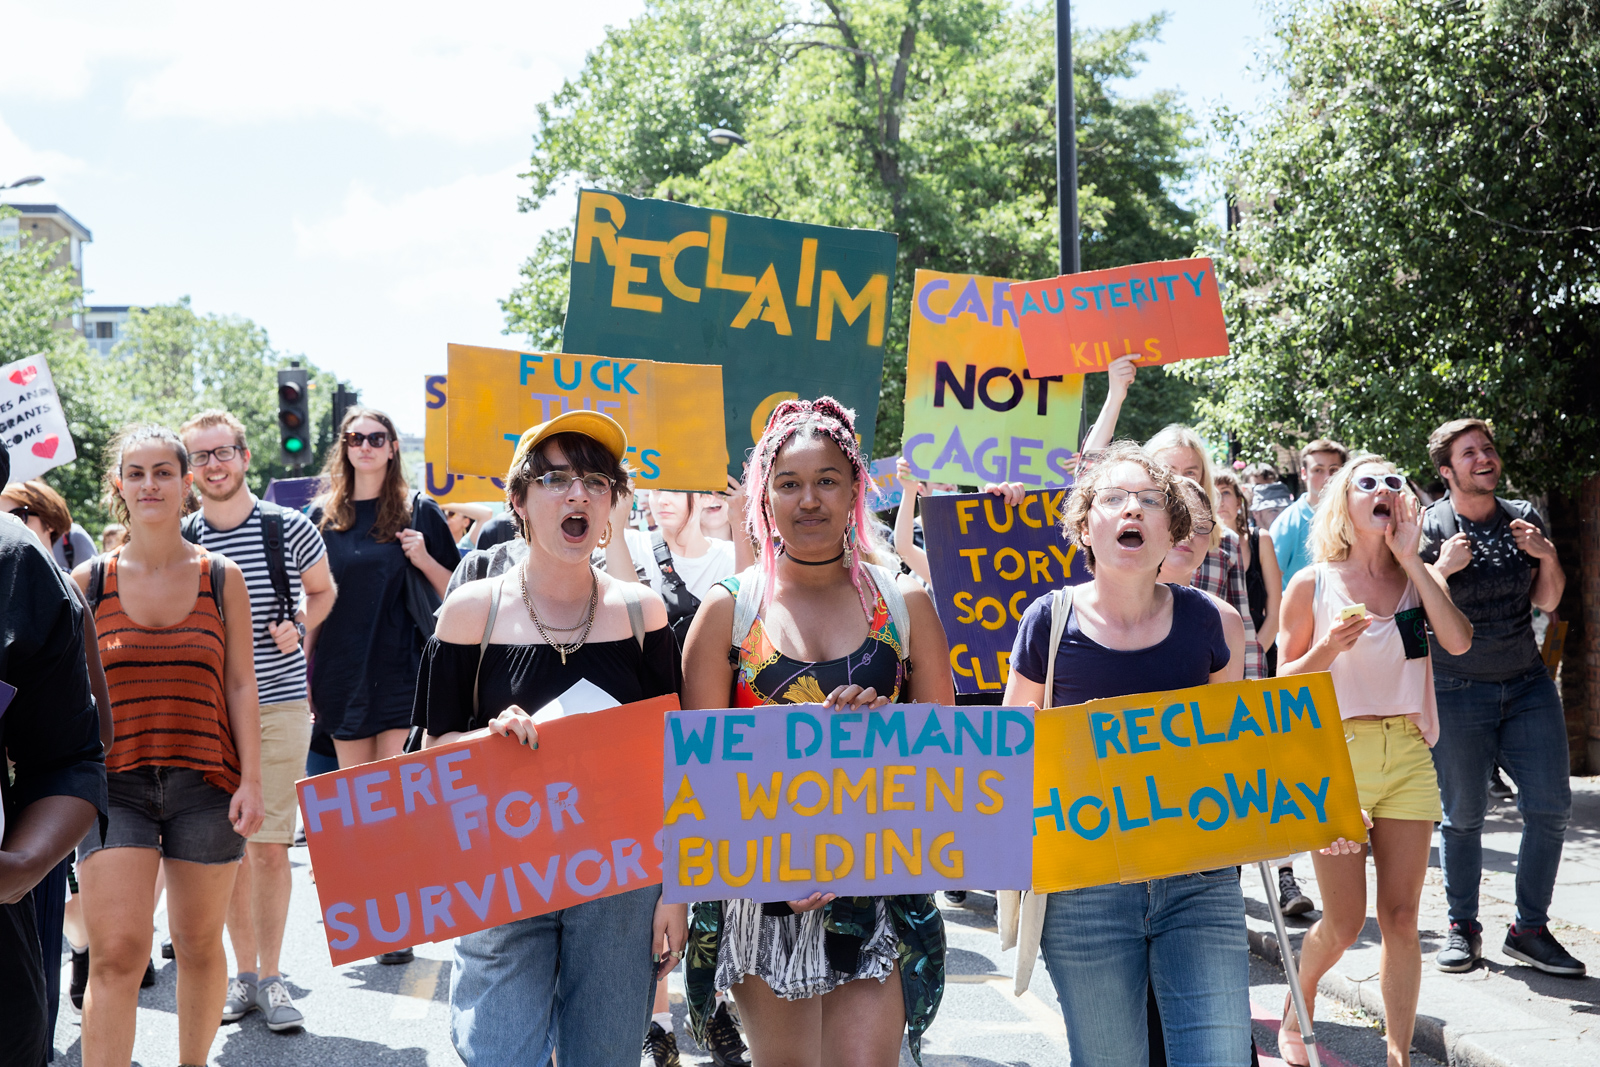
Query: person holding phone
{"points": [[1361, 612]]}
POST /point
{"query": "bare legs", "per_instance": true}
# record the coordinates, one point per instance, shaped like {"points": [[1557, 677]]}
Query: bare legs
{"points": [[119, 937], [1400, 856], [368, 749], [259, 908], [859, 1024]]}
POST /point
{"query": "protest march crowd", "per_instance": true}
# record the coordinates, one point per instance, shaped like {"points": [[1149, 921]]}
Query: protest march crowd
{"points": [[165, 696]]}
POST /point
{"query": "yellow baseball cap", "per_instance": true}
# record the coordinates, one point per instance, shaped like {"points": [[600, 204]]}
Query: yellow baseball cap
{"points": [[603, 428]]}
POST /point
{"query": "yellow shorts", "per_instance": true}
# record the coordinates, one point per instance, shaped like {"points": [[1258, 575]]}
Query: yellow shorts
{"points": [[1394, 771], [285, 738]]}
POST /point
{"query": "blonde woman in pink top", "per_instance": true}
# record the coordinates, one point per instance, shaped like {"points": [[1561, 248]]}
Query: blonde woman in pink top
{"points": [[1362, 613]]}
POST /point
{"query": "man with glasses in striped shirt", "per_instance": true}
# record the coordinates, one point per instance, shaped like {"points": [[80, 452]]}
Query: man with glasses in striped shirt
{"points": [[284, 561]]}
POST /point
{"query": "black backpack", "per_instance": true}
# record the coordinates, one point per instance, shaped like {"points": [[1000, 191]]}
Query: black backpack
{"points": [[681, 604], [275, 549]]}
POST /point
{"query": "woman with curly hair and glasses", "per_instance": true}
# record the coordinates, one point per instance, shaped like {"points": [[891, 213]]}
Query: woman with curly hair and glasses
{"points": [[1125, 631], [824, 979]]}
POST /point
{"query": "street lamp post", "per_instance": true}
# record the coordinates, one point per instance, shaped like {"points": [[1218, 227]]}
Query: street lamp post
{"points": [[32, 179], [725, 137], [1067, 169]]}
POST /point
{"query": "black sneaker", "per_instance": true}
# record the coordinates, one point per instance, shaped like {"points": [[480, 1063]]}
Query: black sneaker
{"points": [[80, 979], [1291, 899], [957, 897], [661, 1046], [404, 955], [166, 949], [727, 1048], [1537, 947], [1498, 788], [1463, 948], [149, 978]]}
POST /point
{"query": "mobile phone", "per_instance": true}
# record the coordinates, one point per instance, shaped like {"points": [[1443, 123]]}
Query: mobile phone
{"points": [[1354, 611]]}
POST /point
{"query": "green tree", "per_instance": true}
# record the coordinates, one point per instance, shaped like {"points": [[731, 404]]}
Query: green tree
{"points": [[933, 119], [1419, 235]]}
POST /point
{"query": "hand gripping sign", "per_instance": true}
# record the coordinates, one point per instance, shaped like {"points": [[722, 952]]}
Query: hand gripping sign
{"points": [[482, 831], [1157, 784], [1161, 312], [775, 803]]}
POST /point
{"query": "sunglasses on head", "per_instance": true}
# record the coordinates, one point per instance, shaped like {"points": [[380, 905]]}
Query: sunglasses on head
{"points": [[1392, 482], [376, 440]]}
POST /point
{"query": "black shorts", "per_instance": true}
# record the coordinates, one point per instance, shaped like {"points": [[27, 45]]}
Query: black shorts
{"points": [[171, 809]]}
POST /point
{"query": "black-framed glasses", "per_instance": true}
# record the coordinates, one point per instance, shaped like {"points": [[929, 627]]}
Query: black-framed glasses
{"points": [[377, 439], [1392, 482], [1203, 529], [223, 454], [561, 481], [1112, 498]]}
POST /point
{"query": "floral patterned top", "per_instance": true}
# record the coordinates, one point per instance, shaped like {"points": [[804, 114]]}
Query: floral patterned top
{"points": [[766, 676]]}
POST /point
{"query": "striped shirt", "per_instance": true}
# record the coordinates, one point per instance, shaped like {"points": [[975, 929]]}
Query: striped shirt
{"points": [[166, 686], [1221, 575], [280, 677]]}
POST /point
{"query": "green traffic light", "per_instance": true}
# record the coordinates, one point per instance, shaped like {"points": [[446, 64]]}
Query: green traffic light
{"points": [[293, 444]]}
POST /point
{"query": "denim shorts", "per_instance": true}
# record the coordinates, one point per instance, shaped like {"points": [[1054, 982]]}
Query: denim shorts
{"points": [[171, 809]]}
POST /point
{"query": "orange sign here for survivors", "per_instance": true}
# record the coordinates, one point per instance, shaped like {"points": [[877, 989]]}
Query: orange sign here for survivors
{"points": [[1161, 312], [482, 831]]}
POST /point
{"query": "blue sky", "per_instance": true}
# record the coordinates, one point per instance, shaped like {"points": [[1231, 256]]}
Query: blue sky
{"points": [[345, 174]]}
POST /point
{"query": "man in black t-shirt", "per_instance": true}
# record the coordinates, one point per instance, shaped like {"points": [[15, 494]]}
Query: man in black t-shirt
{"points": [[1497, 700], [50, 732]]}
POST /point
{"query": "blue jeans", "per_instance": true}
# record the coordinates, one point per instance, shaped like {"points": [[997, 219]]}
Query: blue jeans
{"points": [[578, 982], [1183, 938], [1520, 721]]}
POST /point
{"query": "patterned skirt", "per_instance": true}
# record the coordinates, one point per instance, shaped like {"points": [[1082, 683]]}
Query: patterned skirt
{"points": [[787, 951]]}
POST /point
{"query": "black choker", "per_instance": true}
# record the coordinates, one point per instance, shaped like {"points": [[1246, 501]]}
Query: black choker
{"points": [[815, 562]]}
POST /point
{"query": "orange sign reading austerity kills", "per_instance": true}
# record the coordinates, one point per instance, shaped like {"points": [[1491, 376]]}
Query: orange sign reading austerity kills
{"points": [[1161, 312], [482, 831]]}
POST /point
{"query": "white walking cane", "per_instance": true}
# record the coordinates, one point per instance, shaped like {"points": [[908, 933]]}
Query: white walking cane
{"points": [[1289, 968]]}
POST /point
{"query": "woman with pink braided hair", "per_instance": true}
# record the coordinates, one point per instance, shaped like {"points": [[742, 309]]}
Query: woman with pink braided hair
{"points": [[817, 621]]}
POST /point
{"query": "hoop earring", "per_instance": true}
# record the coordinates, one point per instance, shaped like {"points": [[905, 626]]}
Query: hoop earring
{"points": [[605, 538]]}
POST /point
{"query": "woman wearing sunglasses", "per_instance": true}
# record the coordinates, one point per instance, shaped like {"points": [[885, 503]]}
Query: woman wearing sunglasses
{"points": [[1361, 613], [576, 982], [368, 648]]}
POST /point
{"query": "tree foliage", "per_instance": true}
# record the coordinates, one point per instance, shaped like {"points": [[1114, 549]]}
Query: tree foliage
{"points": [[934, 119], [170, 364], [1421, 212]]}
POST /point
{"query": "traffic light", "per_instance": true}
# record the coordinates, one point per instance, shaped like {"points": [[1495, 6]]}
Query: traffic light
{"points": [[294, 417], [343, 400]]}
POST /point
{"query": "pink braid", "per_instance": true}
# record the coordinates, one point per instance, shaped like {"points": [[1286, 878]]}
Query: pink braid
{"points": [[823, 417]]}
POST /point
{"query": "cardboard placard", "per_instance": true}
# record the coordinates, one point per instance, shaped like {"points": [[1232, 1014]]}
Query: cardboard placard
{"points": [[672, 412], [787, 309], [1163, 312], [1158, 784], [989, 561], [437, 481], [481, 831], [33, 427], [886, 491], [974, 411], [775, 803]]}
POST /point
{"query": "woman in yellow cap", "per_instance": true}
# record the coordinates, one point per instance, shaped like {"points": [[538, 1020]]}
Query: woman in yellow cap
{"points": [[576, 982]]}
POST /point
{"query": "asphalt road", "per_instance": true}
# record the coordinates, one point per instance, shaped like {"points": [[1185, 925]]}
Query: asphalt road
{"points": [[369, 1015]]}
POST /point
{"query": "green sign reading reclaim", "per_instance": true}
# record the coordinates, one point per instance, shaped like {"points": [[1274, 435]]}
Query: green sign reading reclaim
{"points": [[786, 309]]}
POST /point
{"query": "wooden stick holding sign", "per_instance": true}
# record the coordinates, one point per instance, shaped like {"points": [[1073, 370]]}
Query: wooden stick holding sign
{"points": [[479, 832]]}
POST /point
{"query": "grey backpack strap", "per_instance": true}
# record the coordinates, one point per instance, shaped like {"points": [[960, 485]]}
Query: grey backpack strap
{"points": [[1060, 608], [483, 644], [747, 604], [895, 601], [632, 596]]}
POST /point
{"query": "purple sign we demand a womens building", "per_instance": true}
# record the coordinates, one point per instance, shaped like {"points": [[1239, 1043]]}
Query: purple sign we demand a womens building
{"points": [[775, 803]]}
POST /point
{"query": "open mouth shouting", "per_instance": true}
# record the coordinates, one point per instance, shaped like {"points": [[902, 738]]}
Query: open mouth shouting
{"points": [[1131, 537], [1382, 510], [575, 527]]}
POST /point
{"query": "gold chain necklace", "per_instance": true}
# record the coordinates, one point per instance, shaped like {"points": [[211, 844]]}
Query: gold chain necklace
{"points": [[587, 624]]}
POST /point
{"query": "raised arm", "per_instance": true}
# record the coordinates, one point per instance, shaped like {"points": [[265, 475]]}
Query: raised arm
{"points": [[905, 543], [1450, 627], [1120, 375]]}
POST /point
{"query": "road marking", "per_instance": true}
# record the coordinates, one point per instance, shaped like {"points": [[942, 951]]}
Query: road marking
{"points": [[415, 995]]}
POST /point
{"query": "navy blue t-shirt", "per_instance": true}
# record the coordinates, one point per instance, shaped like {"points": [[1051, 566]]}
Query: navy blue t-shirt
{"points": [[1195, 648]]}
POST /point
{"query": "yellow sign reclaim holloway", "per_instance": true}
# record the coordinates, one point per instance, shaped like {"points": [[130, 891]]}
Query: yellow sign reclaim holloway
{"points": [[672, 412], [1157, 784]]}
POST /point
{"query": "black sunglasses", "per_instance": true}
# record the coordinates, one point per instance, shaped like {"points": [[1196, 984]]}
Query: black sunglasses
{"points": [[376, 440], [23, 512]]}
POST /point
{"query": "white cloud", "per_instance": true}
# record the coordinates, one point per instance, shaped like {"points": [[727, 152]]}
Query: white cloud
{"points": [[470, 71], [19, 159]]}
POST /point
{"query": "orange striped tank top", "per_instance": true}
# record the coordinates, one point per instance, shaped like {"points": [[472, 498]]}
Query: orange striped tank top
{"points": [[166, 686]]}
